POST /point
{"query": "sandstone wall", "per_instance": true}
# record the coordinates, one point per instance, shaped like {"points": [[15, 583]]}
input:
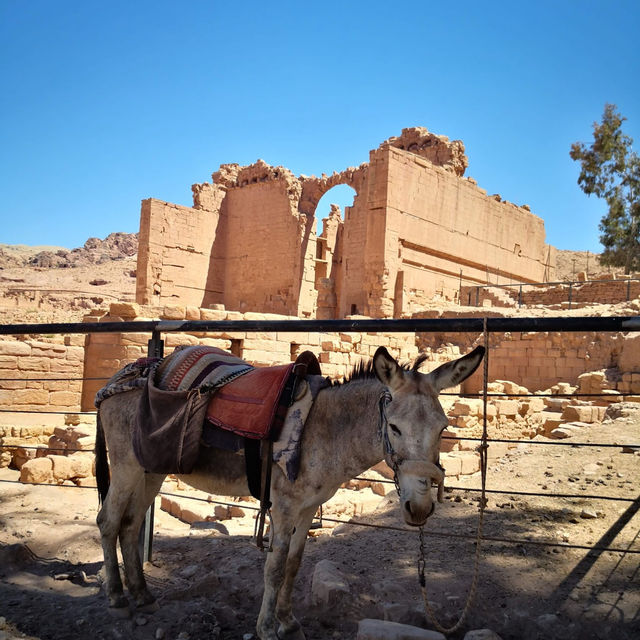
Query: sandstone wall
{"points": [[263, 249], [441, 229], [581, 294], [174, 255], [106, 353], [416, 230], [539, 360], [34, 375]]}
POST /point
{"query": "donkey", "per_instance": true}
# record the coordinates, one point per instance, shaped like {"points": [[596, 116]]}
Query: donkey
{"points": [[384, 411]]}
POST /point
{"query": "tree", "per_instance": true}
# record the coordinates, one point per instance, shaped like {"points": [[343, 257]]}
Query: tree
{"points": [[611, 170]]}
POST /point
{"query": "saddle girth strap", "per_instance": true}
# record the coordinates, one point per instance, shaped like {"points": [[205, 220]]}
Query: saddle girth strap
{"points": [[305, 363], [265, 495]]}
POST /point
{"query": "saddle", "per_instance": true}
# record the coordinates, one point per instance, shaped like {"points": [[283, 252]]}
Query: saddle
{"points": [[198, 386]]}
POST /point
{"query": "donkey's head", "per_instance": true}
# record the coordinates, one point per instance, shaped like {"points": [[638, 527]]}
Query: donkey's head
{"points": [[412, 423]]}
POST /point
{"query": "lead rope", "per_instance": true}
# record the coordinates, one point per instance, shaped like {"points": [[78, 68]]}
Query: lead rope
{"points": [[483, 503]]}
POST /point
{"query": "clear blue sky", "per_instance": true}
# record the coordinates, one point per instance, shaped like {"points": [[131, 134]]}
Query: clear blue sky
{"points": [[106, 103]]}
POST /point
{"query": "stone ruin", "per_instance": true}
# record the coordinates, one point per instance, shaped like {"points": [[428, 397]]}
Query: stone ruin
{"points": [[417, 230]]}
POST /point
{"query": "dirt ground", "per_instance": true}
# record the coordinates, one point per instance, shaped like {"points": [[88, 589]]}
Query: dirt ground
{"points": [[209, 583]]}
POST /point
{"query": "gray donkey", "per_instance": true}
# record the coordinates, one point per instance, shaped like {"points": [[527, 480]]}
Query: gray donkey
{"points": [[384, 411]]}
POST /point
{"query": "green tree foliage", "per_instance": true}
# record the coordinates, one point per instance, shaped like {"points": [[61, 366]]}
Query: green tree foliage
{"points": [[611, 170]]}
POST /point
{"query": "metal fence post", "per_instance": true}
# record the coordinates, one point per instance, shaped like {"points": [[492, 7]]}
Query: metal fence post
{"points": [[520, 297], [628, 289], [155, 349], [570, 293]]}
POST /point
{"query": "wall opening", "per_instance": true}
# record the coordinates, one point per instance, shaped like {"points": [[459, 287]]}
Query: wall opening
{"points": [[342, 195]]}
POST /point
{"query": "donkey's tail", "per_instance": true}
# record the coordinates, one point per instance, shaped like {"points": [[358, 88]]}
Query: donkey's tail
{"points": [[102, 463]]}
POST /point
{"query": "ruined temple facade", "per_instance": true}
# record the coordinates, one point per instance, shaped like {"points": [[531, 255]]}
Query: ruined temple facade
{"points": [[417, 230]]}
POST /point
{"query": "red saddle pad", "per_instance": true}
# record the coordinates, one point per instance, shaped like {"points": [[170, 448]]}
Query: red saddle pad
{"points": [[248, 404]]}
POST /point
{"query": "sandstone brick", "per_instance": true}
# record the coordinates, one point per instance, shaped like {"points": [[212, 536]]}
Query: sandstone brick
{"points": [[64, 399], [578, 413], [173, 312], [61, 467], [29, 397], [14, 348], [506, 407], [37, 471], [128, 310]]}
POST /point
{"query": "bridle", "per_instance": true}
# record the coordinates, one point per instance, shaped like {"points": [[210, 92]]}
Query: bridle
{"points": [[421, 467]]}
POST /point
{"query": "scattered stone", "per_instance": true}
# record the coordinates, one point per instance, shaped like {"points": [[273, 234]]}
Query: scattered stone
{"points": [[207, 525], [403, 613], [370, 629], [328, 587], [190, 571], [160, 632], [141, 620], [547, 620], [481, 634], [588, 514]]}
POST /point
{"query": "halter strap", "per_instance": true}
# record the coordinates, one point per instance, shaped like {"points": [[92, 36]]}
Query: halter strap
{"points": [[383, 428], [434, 471]]}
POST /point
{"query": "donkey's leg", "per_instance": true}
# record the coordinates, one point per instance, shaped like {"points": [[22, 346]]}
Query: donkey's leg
{"points": [[110, 522], [290, 628], [133, 518], [274, 569]]}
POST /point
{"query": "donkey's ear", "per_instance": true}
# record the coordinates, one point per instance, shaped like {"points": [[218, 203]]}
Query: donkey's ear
{"points": [[387, 370], [454, 372]]}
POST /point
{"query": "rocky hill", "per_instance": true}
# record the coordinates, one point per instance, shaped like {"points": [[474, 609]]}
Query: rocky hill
{"points": [[55, 284], [115, 246]]}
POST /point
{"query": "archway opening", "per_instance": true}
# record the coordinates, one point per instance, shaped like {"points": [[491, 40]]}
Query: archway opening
{"points": [[341, 195]]}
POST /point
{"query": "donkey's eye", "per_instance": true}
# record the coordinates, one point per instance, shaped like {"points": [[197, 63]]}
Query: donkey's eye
{"points": [[395, 429]]}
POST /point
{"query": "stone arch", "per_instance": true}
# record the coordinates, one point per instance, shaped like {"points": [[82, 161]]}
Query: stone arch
{"points": [[314, 188]]}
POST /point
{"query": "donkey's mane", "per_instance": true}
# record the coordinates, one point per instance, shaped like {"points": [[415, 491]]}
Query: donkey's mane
{"points": [[365, 370]]}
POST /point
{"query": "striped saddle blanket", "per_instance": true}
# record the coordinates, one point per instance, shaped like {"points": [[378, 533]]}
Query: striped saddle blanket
{"points": [[197, 386]]}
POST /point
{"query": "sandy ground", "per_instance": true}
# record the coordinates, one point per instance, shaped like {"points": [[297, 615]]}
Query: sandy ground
{"points": [[209, 583]]}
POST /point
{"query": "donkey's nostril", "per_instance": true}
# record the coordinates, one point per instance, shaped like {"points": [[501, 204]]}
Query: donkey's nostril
{"points": [[407, 506]]}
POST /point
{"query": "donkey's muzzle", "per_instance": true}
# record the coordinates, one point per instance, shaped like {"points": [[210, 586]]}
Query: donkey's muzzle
{"points": [[416, 478]]}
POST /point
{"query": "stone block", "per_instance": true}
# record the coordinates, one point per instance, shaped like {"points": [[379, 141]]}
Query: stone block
{"points": [[451, 464], [371, 629], [14, 348], [81, 465], [62, 467], [37, 471], [329, 588], [464, 422], [507, 407], [213, 314], [196, 512], [171, 312], [580, 413], [64, 399], [128, 310]]}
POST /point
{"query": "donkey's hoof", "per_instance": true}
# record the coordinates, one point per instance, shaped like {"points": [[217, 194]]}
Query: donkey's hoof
{"points": [[149, 607]]}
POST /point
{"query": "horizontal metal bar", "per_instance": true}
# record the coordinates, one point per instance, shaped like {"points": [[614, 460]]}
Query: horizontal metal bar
{"points": [[436, 325], [515, 285], [356, 523]]}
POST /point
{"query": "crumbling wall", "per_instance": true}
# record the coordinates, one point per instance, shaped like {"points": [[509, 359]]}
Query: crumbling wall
{"points": [[606, 291], [174, 255], [539, 360], [415, 231], [441, 230]]}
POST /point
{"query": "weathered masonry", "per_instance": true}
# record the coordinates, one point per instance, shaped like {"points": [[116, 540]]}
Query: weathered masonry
{"points": [[417, 230]]}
